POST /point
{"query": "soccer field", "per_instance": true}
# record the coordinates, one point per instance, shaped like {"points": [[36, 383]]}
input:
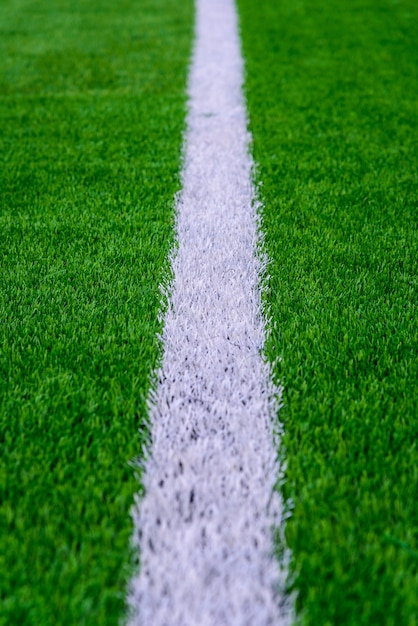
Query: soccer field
{"points": [[92, 115]]}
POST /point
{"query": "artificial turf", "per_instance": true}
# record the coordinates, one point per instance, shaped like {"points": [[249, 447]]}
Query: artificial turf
{"points": [[332, 89], [92, 104]]}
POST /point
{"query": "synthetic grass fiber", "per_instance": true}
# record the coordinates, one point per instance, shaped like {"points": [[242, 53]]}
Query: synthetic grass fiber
{"points": [[332, 89], [92, 105]]}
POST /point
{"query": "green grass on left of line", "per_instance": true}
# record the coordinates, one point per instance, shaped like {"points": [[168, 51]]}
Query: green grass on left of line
{"points": [[92, 103]]}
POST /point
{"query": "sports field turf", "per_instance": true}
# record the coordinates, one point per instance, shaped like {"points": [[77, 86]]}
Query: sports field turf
{"points": [[332, 89], [92, 102]]}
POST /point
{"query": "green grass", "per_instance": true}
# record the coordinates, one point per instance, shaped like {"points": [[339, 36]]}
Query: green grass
{"points": [[92, 102], [332, 89]]}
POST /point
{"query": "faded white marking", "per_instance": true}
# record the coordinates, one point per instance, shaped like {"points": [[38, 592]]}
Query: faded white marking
{"points": [[204, 528]]}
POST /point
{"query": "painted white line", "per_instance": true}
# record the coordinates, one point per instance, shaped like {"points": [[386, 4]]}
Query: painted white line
{"points": [[204, 528]]}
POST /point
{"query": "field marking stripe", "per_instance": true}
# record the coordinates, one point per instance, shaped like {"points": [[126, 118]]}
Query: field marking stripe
{"points": [[204, 527]]}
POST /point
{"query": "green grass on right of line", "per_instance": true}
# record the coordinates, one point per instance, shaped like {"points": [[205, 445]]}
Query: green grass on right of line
{"points": [[332, 89]]}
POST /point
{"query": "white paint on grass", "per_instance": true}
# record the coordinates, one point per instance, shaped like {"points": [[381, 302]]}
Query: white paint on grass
{"points": [[204, 528]]}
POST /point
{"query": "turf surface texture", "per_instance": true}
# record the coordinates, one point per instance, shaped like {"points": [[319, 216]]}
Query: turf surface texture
{"points": [[92, 105], [92, 102], [332, 90]]}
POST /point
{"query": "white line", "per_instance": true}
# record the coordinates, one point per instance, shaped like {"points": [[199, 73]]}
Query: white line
{"points": [[204, 528]]}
